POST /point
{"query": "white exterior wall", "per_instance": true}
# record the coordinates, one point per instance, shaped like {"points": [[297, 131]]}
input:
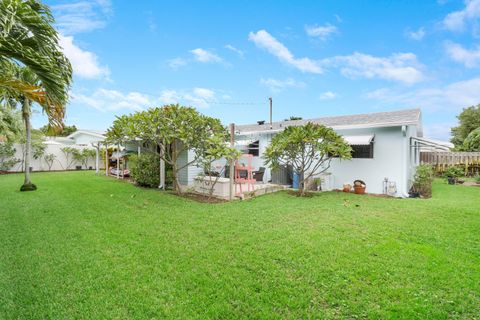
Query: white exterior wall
{"points": [[187, 175], [390, 160], [60, 162], [393, 158], [193, 170]]}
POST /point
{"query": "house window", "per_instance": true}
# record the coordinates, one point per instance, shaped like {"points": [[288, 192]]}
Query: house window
{"points": [[363, 151], [253, 148]]}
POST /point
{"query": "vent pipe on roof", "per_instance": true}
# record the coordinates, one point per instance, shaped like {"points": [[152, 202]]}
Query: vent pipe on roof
{"points": [[271, 124]]}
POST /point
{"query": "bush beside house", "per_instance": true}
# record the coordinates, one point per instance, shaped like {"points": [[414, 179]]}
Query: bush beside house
{"points": [[422, 183]]}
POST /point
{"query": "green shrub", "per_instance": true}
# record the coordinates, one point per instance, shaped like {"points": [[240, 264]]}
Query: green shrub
{"points": [[145, 169], [454, 172], [477, 178], [423, 179], [7, 159]]}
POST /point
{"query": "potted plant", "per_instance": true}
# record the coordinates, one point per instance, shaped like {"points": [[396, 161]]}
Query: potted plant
{"points": [[347, 187], [359, 187], [452, 174]]}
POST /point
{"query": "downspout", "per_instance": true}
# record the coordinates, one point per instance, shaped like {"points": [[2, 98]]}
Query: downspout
{"points": [[405, 149]]}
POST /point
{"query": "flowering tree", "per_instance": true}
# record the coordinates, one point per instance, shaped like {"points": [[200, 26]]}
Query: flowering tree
{"points": [[172, 130], [308, 149]]}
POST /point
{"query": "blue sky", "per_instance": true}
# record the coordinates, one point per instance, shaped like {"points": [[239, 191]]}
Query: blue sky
{"points": [[315, 58]]}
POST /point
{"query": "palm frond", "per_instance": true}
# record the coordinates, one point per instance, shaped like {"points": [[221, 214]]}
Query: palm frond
{"points": [[27, 35]]}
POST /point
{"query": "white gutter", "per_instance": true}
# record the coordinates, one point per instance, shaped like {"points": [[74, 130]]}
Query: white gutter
{"points": [[356, 126], [405, 150]]}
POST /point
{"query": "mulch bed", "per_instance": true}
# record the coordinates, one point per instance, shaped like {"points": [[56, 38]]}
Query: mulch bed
{"points": [[297, 194], [200, 198]]}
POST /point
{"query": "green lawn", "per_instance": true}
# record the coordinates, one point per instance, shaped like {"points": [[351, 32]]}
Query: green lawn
{"points": [[89, 247]]}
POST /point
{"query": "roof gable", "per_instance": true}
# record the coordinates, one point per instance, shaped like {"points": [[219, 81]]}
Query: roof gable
{"points": [[93, 133]]}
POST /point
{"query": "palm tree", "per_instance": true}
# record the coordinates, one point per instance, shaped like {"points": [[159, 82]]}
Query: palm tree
{"points": [[32, 66], [27, 36], [30, 91]]}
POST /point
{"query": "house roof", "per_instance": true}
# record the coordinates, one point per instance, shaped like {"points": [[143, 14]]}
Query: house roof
{"points": [[367, 120], [95, 133]]}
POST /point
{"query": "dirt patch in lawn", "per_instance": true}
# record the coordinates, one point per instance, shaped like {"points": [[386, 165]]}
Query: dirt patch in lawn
{"points": [[200, 198], [471, 184]]}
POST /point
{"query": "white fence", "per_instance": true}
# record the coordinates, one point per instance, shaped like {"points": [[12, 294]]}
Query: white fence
{"points": [[59, 163]]}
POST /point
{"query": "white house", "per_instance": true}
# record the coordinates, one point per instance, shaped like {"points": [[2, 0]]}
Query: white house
{"points": [[385, 149]]}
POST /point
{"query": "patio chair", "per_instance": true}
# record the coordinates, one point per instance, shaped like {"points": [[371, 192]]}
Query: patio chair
{"points": [[258, 175]]}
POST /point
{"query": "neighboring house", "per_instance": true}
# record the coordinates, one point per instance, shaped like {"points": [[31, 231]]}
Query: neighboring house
{"points": [[79, 139], [385, 148]]}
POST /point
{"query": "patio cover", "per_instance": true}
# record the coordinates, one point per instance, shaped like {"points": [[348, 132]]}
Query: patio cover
{"points": [[359, 140]]}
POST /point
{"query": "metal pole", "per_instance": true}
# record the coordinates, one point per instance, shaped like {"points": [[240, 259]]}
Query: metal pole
{"points": [[232, 161], [118, 161], [106, 159], [271, 124], [97, 158]]}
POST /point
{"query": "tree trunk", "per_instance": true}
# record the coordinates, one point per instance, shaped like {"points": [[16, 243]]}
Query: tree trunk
{"points": [[176, 185], [162, 166], [301, 188], [27, 184], [301, 180]]}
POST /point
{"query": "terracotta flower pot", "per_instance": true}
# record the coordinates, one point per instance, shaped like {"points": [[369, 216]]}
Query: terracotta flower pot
{"points": [[359, 189]]}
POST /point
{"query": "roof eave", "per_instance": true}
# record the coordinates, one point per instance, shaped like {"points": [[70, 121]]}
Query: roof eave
{"points": [[356, 126]]}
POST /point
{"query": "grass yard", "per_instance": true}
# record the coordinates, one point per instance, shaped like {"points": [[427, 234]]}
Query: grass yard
{"points": [[90, 247]]}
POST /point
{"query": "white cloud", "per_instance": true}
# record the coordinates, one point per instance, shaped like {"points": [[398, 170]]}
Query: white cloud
{"points": [[401, 67], [276, 85], [321, 32], [82, 16], [416, 35], [469, 58], [203, 55], [328, 95], [204, 93], [264, 40], [169, 97], [176, 63], [106, 100], [443, 100], [84, 63], [237, 51], [111, 100], [440, 131], [457, 20], [198, 97], [452, 97]]}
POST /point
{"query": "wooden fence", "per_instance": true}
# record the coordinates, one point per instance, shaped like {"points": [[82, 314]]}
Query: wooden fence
{"points": [[442, 160]]}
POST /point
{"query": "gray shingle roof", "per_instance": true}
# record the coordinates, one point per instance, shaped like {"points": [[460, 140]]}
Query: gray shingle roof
{"points": [[367, 120]]}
